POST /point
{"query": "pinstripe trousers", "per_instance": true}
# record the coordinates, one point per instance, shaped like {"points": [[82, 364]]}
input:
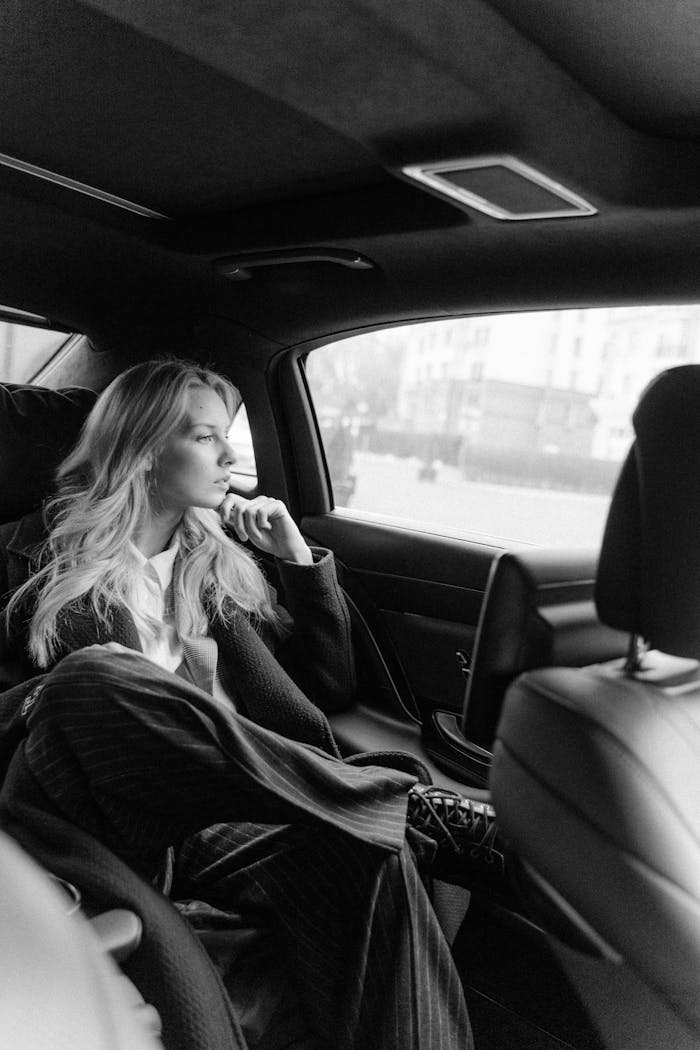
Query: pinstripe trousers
{"points": [[144, 760]]}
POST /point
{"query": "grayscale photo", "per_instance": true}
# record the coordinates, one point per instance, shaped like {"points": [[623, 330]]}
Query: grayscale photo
{"points": [[349, 519]]}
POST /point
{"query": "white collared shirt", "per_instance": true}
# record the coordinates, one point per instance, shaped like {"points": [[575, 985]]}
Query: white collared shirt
{"points": [[154, 598]]}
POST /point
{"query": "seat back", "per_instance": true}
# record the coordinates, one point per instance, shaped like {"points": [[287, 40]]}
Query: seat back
{"points": [[38, 427], [538, 611], [596, 772]]}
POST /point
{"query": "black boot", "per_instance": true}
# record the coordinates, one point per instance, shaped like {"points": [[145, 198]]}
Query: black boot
{"points": [[469, 852]]}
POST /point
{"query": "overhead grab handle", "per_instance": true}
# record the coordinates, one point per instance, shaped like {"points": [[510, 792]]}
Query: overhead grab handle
{"points": [[238, 267]]}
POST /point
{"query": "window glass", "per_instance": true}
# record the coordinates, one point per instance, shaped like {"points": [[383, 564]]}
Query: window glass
{"points": [[24, 350], [245, 473], [511, 426]]}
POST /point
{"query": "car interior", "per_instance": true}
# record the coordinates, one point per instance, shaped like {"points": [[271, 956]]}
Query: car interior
{"points": [[409, 233]]}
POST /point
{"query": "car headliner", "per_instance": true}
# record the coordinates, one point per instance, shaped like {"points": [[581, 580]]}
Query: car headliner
{"points": [[264, 125]]}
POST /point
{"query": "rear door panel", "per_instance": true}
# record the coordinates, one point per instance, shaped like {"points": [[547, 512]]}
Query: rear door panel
{"points": [[419, 595]]}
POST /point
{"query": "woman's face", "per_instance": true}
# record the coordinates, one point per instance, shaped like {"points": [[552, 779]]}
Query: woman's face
{"points": [[193, 468]]}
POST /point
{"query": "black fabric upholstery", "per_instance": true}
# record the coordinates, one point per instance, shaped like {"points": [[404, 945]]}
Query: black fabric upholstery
{"points": [[650, 560], [287, 118], [37, 429], [606, 48], [436, 48], [125, 98]]}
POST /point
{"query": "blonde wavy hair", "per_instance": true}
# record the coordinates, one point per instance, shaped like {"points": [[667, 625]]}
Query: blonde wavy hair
{"points": [[104, 496]]}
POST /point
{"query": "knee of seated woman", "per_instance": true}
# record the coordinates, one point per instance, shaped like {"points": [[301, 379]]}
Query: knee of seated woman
{"points": [[99, 676], [97, 659]]}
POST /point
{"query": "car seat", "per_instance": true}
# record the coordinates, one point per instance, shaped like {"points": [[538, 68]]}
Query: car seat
{"points": [[596, 772], [60, 986], [38, 427], [170, 968]]}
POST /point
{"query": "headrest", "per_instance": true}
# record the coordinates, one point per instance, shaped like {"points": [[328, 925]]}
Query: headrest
{"points": [[38, 427], [649, 572]]}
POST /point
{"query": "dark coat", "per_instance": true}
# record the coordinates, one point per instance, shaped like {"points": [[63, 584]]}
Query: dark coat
{"points": [[285, 687]]}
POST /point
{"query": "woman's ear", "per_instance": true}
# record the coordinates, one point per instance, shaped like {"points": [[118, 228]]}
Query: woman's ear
{"points": [[148, 462]]}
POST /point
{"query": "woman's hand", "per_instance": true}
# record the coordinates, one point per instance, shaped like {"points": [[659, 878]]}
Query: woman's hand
{"points": [[268, 524]]}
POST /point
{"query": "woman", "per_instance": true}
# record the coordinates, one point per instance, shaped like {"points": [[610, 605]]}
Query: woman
{"points": [[149, 472], [166, 720]]}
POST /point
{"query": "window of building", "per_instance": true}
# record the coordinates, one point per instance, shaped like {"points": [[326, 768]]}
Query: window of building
{"points": [[531, 458]]}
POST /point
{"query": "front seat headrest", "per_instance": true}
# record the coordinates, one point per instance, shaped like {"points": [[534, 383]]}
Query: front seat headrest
{"points": [[649, 572], [38, 427]]}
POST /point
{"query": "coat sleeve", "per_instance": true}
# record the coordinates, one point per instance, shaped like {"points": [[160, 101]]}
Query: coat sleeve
{"points": [[318, 652]]}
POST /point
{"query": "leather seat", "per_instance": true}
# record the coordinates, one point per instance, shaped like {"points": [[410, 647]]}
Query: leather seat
{"points": [[170, 967], [596, 772], [38, 427]]}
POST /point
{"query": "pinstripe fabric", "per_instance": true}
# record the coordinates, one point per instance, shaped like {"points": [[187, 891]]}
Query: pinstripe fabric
{"points": [[143, 759], [371, 963]]}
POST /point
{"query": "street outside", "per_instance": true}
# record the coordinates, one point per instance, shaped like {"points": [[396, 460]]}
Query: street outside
{"points": [[389, 485]]}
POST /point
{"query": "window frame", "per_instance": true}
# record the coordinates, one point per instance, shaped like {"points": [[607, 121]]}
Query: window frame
{"points": [[24, 319]]}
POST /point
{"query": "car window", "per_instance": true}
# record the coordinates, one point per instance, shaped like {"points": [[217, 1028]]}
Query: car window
{"points": [[244, 476], [25, 349], [511, 426]]}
